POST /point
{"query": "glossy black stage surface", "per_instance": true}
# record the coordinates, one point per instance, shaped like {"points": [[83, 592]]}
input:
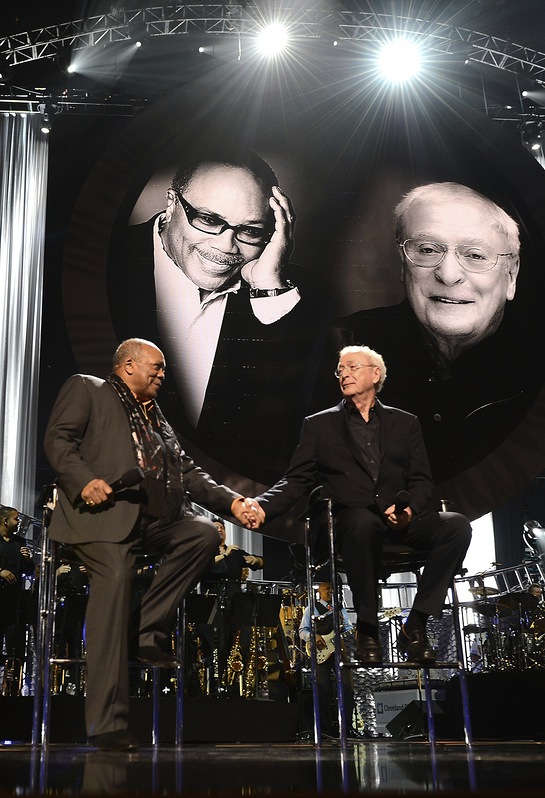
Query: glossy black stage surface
{"points": [[387, 767], [246, 748]]}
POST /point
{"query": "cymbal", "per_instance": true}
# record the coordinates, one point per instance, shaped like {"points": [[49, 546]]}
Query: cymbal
{"points": [[490, 609], [484, 590], [516, 601]]}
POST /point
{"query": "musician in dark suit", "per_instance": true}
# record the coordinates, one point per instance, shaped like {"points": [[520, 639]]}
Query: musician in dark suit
{"points": [[364, 453], [16, 564], [210, 279], [98, 430]]}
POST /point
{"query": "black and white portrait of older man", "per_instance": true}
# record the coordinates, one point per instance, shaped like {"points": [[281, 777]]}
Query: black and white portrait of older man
{"points": [[455, 351]]}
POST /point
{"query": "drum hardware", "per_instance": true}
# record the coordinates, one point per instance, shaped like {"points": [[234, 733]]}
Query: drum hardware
{"points": [[473, 629], [518, 601], [491, 609], [537, 624]]}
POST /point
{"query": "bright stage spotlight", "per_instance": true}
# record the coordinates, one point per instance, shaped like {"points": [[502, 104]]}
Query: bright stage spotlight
{"points": [[272, 40], [399, 60], [532, 133]]}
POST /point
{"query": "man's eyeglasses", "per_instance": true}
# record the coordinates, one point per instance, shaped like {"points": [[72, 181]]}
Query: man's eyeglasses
{"points": [[215, 225], [339, 371], [429, 254]]}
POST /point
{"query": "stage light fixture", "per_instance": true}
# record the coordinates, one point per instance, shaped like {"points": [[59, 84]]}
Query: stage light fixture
{"points": [[47, 110], [273, 39], [531, 133], [399, 60], [138, 32]]}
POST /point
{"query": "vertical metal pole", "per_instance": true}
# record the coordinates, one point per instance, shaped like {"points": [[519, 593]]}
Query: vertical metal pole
{"points": [[40, 636], [49, 630], [336, 625], [312, 641], [464, 693], [431, 729], [44, 628], [180, 674], [156, 693]]}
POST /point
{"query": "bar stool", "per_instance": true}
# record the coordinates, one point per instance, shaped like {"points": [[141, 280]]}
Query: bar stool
{"points": [[396, 559], [45, 633]]}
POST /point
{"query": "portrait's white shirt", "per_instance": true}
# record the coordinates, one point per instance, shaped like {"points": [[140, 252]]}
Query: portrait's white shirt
{"points": [[190, 326]]}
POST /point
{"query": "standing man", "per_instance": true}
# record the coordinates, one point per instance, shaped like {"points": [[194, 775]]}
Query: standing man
{"points": [[364, 454], [210, 278], [325, 666], [98, 431], [458, 326]]}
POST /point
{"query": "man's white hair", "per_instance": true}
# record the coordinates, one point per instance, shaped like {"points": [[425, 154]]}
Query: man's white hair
{"points": [[374, 357]]}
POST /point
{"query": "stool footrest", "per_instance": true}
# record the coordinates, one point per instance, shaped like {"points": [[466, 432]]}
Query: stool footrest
{"points": [[401, 664]]}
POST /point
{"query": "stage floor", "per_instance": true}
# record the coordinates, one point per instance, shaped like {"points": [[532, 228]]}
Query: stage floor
{"points": [[390, 767]]}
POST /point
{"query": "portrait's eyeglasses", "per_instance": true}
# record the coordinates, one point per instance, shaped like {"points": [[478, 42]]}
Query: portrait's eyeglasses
{"points": [[472, 257], [339, 371], [215, 225]]}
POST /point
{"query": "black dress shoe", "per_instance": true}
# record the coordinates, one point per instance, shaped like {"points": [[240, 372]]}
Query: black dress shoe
{"points": [[152, 655], [368, 650], [114, 741], [416, 646]]}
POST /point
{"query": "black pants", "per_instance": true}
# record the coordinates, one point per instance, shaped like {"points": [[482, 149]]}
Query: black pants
{"points": [[324, 676], [186, 547], [361, 534]]}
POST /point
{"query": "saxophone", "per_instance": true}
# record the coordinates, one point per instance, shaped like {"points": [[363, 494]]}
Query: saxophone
{"points": [[201, 667], [13, 677], [262, 665], [235, 664], [250, 671]]}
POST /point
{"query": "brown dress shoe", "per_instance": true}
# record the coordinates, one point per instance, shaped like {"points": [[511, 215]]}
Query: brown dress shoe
{"points": [[368, 650], [416, 647]]}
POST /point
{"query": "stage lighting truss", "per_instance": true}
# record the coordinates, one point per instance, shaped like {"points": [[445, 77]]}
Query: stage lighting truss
{"points": [[361, 29], [248, 21]]}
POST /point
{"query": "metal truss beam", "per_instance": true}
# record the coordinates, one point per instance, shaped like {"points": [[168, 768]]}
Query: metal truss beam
{"points": [[246, 21]]}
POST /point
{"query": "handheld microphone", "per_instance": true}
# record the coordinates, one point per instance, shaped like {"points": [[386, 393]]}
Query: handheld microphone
{"points": [[127, 480], [402, 501]]}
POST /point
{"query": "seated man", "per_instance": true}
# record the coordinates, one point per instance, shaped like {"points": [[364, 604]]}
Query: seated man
{"points": [[364, 454]]}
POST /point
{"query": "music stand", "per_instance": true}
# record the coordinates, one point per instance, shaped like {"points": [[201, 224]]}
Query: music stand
{"points": [[200, 609], [254, 609]]}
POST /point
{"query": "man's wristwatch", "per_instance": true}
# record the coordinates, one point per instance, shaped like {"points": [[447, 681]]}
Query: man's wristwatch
{"points": [[257, 293]]}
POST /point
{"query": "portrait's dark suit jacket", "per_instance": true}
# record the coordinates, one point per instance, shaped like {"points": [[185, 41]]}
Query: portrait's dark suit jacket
{"points": [[328, 456], [88, 436], [467, 407], [265, 378]]}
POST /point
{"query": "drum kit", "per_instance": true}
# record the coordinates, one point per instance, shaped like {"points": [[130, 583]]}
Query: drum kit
{"points": [[510, 634]]}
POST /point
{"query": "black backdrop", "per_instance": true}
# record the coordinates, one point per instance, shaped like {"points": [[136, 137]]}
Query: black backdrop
{"points": [[344, 150]]}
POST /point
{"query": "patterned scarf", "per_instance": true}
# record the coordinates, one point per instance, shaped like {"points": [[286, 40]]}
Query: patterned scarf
{"points": [[158, 454]]}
